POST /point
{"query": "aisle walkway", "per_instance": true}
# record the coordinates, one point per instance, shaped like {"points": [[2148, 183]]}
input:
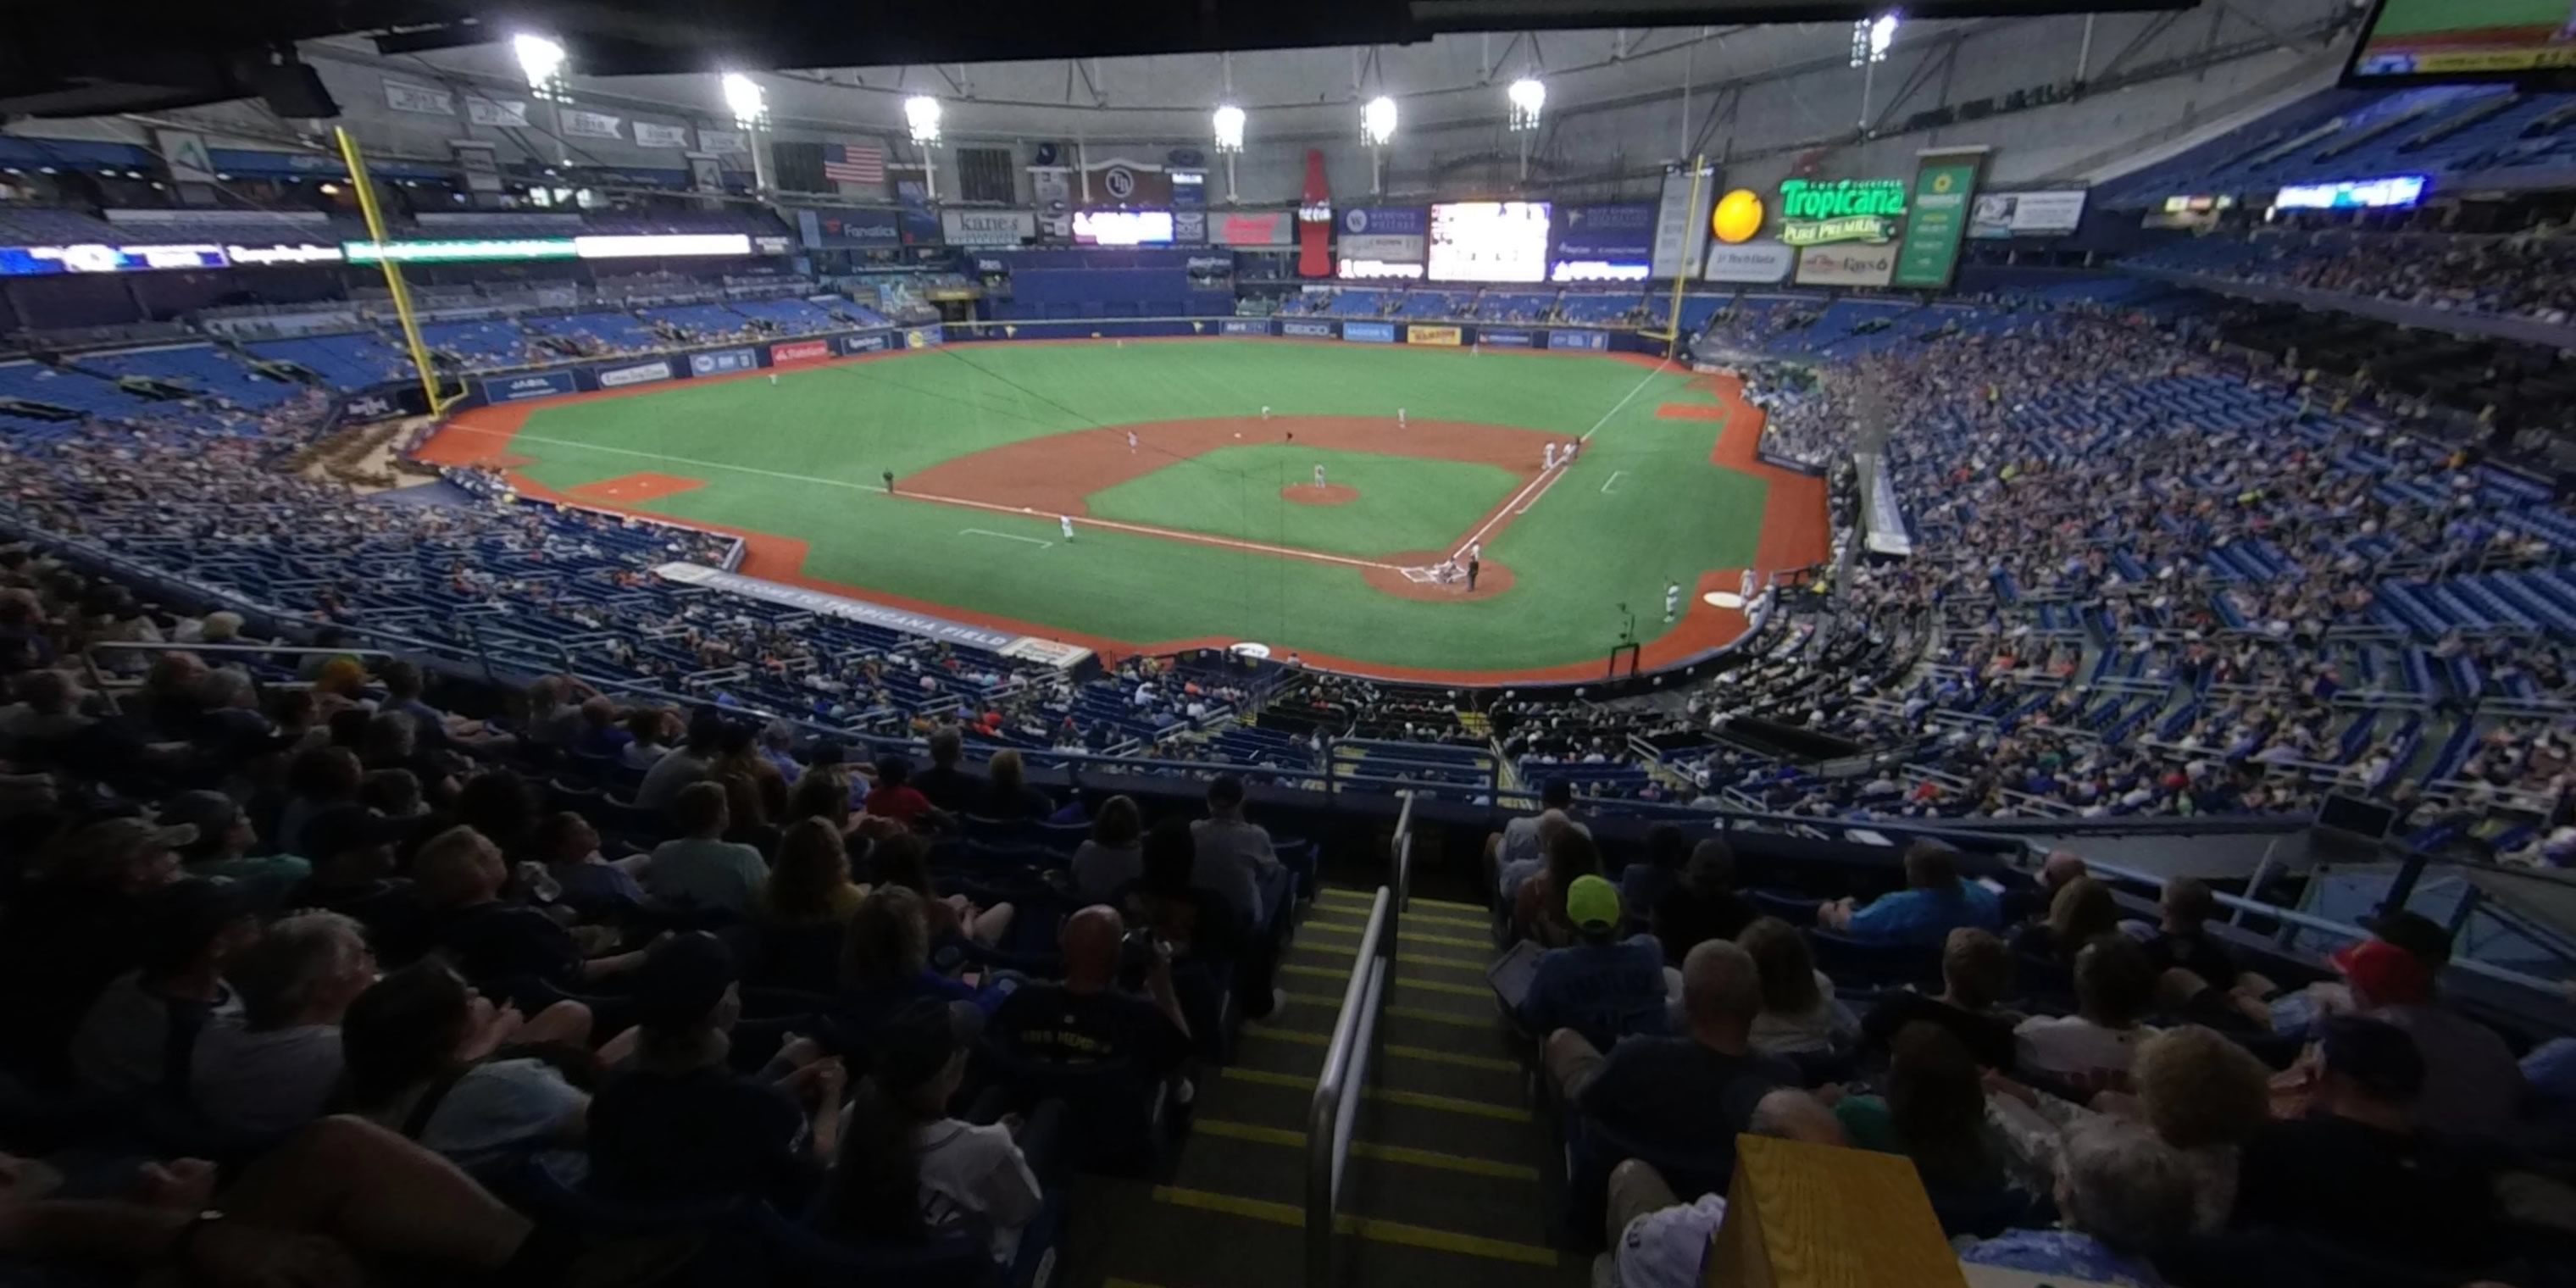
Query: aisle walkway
{"points": [[1450, 1177]]}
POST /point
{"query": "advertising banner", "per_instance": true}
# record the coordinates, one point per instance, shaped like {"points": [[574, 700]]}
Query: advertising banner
{"points": [[1306, 330], [1846, 265], [1189, 227], [1945, 189], [1761, 261], [506, 113], [724, 140], [1369, 332], [1243, 326], [1387, 234], [590, 125], [1122, 227], [642, 373], [1252, 228], [718, 361], [1593, 340], [872, 342], [1621, 234], [1496, 338], [1681, 224], [419, 98], [1448, 335], [370, 407], [987, 227], [2026, 214], [1189, 189], [534, 384], [650, 135], [799, 351], [1821, 213], [922, 337], [846, 227], [25, 261]]}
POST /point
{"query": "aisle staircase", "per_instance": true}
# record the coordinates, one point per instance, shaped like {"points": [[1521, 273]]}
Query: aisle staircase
{"points": [[1449, 1180]]}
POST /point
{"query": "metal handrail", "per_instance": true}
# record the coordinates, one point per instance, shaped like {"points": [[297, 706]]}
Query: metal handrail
{"points": [[1331, 1117]]}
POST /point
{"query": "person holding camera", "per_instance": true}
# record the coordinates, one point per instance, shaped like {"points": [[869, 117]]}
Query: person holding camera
{"points": [[1089, 1017]]}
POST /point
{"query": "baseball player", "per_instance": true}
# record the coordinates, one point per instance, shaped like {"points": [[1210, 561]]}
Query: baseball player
{"points": [[1672, 601], [1319, 476], [889, 478], [1475, 550], [1551, 456], [1744, 588], [1474, 566], [1399, 418], [1065, 521], [1569, 451], [1265, 411], [773, 379], [1131, 442]]}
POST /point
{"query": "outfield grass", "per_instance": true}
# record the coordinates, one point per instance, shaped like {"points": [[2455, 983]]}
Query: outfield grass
{"points": [[2421, 17], [801, 459], [1405, 503]]}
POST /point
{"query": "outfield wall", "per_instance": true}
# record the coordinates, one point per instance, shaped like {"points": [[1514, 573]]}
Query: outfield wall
{"points": [[590, 375]]}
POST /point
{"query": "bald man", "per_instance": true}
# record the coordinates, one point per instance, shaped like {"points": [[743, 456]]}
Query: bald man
{"points": [[1088, 1018], [1659, 1240], [1692, 1093]]}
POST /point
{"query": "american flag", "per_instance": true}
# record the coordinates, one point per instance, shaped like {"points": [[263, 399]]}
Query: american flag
{"points": [[853, 164]]}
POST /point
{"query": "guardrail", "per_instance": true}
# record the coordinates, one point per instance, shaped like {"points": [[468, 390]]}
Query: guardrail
{"points": [[1330, 1119]]}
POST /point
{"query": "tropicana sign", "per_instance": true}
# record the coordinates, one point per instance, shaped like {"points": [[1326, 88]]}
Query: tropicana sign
{"points": [[1817, 214]]}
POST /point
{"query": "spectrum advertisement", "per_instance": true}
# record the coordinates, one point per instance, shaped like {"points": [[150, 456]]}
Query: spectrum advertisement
{"points": [[1603, 243]]}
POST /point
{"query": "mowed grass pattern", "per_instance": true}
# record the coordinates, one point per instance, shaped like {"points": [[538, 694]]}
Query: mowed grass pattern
{"points": [[1405, 503], [802, 459]]}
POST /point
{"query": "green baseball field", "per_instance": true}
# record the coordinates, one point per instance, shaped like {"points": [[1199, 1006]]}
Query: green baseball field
{"points": [[1324, 499]]}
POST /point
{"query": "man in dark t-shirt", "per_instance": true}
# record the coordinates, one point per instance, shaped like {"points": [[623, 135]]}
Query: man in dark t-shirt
{"points": [[1976, 968], [1088, 1019], [1694, 1093]]}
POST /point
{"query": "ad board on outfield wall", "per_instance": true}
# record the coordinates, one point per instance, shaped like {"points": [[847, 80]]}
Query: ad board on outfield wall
{"points": [[641, 373], [1253, 228], [799, 351], [1848, 264], [1448, 335], [922, 337], [1243, 326], [869, 342], [1369, 332], [533, 384], [1307, 330], [1498, 338], [2002, 215], [987, 227], [1593, 340], [718, 361], [1386, 234], [1760, 262]]}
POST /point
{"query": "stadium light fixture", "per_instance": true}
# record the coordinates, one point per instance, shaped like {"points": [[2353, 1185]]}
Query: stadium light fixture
{"points": [[921, 114], [1229, 128], [1528, 97], [1377, 122], [541, 59], [1871, 39], [748, 102]]}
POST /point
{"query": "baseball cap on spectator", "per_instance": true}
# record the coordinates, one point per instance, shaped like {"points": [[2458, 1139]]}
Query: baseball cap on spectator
{"points": [[2375, 1055], [2421, 936], [1592, 904], [111, 850], [683, 979], [2396, 965], [916, 1045]]}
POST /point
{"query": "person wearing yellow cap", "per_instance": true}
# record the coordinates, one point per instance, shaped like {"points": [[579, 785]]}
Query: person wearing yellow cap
{"points": [[1600, 986]]}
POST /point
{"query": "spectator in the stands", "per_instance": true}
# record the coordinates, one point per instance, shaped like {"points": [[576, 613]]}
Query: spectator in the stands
{"points": [[553, 722], [424, 1054], [1933, 1111], [1644, 884], [894, 797], [276, 1068], [1692, 1092], [1976, 969], [2472, 1086], [778, 749], [1088, 1018], [320, 779], [2359, 1168], [2081, 911], [904, 860], [700, 868], [648, 739], [1658, 1241], [1517, 852], [944, 784], [223, 844], [690, 762], [2115, 987], [503, 807], [353, 864], [1113, 855], [2122, 1197], [1600, 987], [1800, 1015], [594, 888], [907, 1170], [434, 728], [137, 1035], [1007, 794], [885, 965], [2197, 1091], [1935, 901], [680, 1125], [2056, 872], [2182, 940], [1235, 858], [517, 951], [599, 735], [1538, 909], [810, 886], [47, 712], [1701, 906], [747, 815]]}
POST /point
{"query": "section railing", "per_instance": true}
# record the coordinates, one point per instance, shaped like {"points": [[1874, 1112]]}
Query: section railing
{"points": [[1331, 1119]]}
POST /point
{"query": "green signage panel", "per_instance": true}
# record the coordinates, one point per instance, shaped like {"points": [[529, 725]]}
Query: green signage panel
{"points": [[1945, 189]]}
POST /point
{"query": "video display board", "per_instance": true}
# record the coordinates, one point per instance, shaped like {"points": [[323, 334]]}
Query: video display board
{"points": [[1489, 241]]}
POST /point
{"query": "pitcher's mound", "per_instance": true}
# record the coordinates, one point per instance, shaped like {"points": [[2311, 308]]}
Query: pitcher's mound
{"points": [[1329, 494]]}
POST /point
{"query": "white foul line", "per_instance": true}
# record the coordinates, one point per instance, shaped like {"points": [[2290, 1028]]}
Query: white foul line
{"points": [[1173, 534], [1614, 477], [1522, 501], [988, 532]]}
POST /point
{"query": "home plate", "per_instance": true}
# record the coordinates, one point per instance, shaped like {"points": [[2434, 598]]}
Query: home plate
{"points": [[1723, 599]]}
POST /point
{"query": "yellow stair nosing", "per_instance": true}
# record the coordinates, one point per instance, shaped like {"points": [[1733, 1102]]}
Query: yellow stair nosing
{"points": [[1403, 936], [1403, 981], [1409, 1099], [1490, 1063], [1403, 1012], [1439, 1160], [1363, 899], [1424, 959], [1369, 1228]]}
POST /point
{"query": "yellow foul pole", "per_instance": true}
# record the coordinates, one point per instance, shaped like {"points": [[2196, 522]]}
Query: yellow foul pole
{"points": [[1681, 270], [393, 272]]}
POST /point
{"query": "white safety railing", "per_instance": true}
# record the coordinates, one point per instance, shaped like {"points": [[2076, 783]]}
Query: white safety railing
{"points": [[1330, 1120]]}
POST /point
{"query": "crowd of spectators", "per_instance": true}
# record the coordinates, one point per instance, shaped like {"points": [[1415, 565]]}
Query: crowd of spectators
{"points": [[2082, 1096], [2522, 276]]}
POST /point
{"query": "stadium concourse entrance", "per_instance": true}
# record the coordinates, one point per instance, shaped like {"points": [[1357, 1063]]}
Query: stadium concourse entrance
{"points": [[1451, 1177]]}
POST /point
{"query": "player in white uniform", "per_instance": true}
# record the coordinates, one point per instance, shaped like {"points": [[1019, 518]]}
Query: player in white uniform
{"points": [[1569, 452], [1399, 418], [1265, 411], [1745, 587], [1065, 521], [1672, 601], [773, 378], [1475, 550], [1551, 456], [1131, 442], [1319, 476]]}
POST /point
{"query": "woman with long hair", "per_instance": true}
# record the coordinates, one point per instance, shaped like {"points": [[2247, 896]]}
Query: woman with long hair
{"points": [[1007, 794], [747, 814], [1934, 1112], [908, 1171], [1799, 1013], [2081, 912], [903, 859], [810, 883], [1113, 855]]}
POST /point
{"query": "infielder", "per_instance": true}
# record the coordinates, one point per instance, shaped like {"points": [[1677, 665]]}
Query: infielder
{"points": [[1551, 456], [1131, 442], [1569, 452], [1319, 476], [1065, 521], [1265, 411], [1399, 418], [1672, 601]]}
